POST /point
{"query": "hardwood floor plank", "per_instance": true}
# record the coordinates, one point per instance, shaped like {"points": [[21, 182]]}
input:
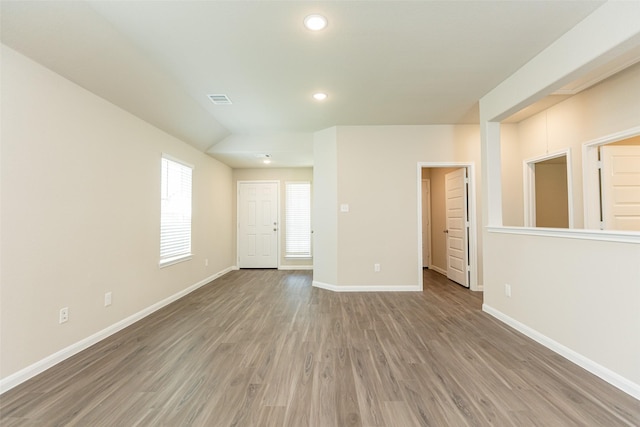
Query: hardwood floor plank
{"points": [[347, 410], [285, 371], [271, 416], [265, 348], [425, 404], [324, 410], [368, 387], [397, 413], [298, 409]]}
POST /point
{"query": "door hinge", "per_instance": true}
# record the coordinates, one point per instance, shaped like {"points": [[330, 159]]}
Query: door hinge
{"points": [[467, 224], [599, 164], [468, 269], [601, 225], [466, 180]]}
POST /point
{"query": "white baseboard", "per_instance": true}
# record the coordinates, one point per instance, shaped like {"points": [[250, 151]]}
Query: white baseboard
{"points": [[598, 370], [366, 288], [31, 371], [295, 267], [438, 269]]}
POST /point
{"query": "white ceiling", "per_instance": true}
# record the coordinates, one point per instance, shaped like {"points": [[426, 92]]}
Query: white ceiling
{"points": [[381, 62]]}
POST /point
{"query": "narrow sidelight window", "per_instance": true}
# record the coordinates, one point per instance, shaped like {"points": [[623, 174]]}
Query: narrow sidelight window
{"points": [[298, 219], [175, 212]]}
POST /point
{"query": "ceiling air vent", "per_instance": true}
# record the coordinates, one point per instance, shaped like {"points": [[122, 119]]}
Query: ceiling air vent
{"points": [[220, 99]]}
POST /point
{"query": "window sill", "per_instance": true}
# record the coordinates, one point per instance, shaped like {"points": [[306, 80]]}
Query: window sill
{"points": [[175, 260], [571, 233], [298, 257]]}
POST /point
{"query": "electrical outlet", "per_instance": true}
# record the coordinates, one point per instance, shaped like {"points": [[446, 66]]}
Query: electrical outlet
{"points": [[507, 290], [376, 268], [64, 315], [107, 299], [206, 262]]}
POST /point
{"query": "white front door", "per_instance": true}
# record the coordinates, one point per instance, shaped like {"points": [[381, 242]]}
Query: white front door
{"points": [[257, 225], [457, 226], [426, 223], [620, 187]]}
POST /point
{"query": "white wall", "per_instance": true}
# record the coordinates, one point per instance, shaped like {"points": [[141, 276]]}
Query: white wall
{"points": [[377, 177], [511, 173], [282, 175], [325, 207], [581, 294], [578, 292], [80, 202]]}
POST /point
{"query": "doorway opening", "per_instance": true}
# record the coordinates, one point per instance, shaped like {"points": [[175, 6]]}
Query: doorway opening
{"points": [[547, 191], [447, 221], [426, 220], [612, 182]]}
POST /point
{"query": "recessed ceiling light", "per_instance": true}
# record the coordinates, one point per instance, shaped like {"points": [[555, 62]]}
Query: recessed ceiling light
{"points": [[315, 22], [266, 158], [320, 96]]}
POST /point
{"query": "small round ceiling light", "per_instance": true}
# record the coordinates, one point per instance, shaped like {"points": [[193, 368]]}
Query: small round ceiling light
{"points": [[315, 22], [320, 96], [266, 158]]}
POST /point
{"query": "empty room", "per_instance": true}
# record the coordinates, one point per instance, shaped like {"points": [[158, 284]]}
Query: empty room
{"points": [[332, 213]]}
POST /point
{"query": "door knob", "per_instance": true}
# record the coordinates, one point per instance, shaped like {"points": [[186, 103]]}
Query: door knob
{"points": [[445, 231]]}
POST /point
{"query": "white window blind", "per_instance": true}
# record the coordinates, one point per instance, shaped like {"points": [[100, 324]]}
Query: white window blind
{"points": [[175, 212], [298, 219]]}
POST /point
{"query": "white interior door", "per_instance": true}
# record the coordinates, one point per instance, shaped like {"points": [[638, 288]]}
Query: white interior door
{"points": [[620, 191], [457, 226], [257, 225], [426, 223]]}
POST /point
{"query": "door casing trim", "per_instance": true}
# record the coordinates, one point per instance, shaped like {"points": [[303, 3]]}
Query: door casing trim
{"points": [[529, 183], [473, 225]]}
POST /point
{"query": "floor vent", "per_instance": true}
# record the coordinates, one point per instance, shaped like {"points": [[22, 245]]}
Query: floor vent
{"points": [[220, 99]]}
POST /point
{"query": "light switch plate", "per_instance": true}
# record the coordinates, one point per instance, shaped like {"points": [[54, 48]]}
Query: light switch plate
{"points": [[344, 207]]}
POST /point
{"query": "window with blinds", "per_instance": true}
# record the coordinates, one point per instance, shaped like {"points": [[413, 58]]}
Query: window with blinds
{"points": [[175, 212], [298, 219]]}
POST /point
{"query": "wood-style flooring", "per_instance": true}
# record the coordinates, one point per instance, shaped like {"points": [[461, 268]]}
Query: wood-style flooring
{"points": [[265, 348]]}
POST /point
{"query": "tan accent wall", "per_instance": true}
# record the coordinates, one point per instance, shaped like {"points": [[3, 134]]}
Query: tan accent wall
{"points": [[439, 218], [552, 209], [81, 214], [629, 141], [282, 175]]}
